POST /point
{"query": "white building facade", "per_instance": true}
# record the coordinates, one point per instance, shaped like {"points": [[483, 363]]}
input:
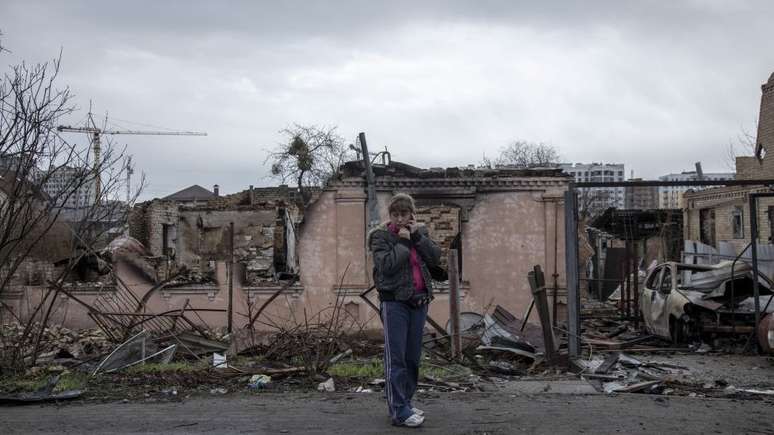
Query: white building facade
{"points": [[598, 198], [65, 179], [672, 196]]}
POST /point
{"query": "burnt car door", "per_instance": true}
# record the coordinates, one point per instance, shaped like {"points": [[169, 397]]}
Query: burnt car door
{"points": [[654, 301], [660, 303], [648, 295]]}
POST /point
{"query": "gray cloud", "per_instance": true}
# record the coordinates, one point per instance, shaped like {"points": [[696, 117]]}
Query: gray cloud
{"points": [[656, 85]]}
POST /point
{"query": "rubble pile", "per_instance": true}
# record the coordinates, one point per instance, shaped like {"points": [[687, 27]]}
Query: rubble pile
{"points": [[58, 345], [619, 372]]}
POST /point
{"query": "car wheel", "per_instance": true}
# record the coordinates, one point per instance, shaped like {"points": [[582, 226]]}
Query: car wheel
{"points": [[681, 330]]}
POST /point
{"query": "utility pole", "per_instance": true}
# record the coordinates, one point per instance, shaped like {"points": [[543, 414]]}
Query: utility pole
{"points": [[129, 172], [231, 279], [373, 205], [571, 274], [454, 306]]}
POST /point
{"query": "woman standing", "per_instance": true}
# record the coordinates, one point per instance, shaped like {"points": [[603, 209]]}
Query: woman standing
{"points": [[403, 252]]}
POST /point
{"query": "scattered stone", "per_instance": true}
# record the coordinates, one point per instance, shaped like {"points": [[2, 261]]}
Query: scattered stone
{"points": [[327, 386], [258, 382], [169, 391]]}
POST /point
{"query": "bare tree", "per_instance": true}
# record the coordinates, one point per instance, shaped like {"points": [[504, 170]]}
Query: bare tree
{"points": [[592, 202], [310, 156], [523, 154], [47, 192], [744, 145]]}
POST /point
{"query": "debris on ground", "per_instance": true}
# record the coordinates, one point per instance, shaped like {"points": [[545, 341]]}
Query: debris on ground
{"points": [[219, 361], [258, 382], [136, 350], [44, 394], [327, 386]]}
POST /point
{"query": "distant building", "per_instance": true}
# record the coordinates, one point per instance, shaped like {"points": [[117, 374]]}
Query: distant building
{"points": [[641, 197], [66, 179], [672, 196], [193, 195], [15, 164], [597, 199]]}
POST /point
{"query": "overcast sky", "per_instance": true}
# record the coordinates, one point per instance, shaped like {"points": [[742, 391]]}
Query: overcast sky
{"points": [[656, 85]]}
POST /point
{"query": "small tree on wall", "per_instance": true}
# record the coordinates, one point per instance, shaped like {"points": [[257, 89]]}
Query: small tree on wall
{"points": [[309, 156]]}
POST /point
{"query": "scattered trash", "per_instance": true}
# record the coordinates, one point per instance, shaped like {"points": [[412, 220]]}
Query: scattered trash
{"points": [[218, 391], [219, 361], [127, 353], [622, 373], [377, 382], [608, 363], [327, 386], [340, 356], [753, 391], [169, 391], [44, 394], [363, 390], [199, 345], [258, 382], [519, 352], [504, 367]]}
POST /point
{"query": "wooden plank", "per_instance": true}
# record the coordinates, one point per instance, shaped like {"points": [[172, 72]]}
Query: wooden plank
{"points": [[454, 306]]}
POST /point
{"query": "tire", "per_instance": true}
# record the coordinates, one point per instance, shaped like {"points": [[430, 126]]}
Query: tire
{"points": [[681, 330]]}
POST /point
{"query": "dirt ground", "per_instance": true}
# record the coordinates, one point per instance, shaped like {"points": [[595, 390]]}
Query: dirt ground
{"points": [[188, 402], [365, 413]]}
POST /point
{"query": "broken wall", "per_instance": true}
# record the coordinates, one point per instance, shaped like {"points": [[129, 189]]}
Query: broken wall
{"points": [[503, 233], [727, 202]]}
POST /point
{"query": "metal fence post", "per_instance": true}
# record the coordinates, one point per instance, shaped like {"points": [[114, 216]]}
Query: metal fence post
{"points": [[571, 267], [454, 306]]}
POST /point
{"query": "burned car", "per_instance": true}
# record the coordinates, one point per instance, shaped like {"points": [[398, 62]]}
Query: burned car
{"points": [[686, 303]]}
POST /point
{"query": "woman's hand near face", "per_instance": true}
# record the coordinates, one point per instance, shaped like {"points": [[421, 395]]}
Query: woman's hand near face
{"points": [[404, 233]]}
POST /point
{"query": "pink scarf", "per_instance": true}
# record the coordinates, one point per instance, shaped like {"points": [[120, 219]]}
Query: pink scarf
{"points": [[416, 268]]}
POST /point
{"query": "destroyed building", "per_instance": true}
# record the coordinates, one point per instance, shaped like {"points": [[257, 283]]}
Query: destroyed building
{"points": [[622, 237], [501, 221]]}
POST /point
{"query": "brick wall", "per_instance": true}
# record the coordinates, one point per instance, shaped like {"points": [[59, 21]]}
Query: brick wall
{"points": [[766, 127], [724, 201], [199, 235], [443, 222], [749, 167]]}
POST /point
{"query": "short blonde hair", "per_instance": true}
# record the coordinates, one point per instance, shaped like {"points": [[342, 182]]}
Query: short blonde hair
{"points": [[401, 202]]}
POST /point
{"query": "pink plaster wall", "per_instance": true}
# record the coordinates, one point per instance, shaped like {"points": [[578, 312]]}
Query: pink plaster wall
{"points": [[504, 236]]}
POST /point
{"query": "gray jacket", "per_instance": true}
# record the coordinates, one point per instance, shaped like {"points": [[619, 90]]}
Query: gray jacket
{"points": [[392, 266]]}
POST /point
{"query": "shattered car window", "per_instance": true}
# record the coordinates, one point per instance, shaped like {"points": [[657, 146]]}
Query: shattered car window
{"points": [[653, 279], [666, 281]]}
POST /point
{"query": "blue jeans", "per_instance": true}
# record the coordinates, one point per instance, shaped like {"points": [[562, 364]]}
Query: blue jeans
{"points": [[403, 329]]}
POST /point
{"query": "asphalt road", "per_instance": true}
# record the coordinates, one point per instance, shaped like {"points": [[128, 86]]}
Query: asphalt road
{"points": [[365, 413]]}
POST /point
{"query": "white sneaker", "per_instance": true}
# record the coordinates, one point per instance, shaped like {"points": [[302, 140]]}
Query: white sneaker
{"points": [[415, 420], [418, 412]]}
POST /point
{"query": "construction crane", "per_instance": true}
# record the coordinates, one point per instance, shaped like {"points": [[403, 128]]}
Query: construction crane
{"points": [[96, 132], [129, 172]]}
